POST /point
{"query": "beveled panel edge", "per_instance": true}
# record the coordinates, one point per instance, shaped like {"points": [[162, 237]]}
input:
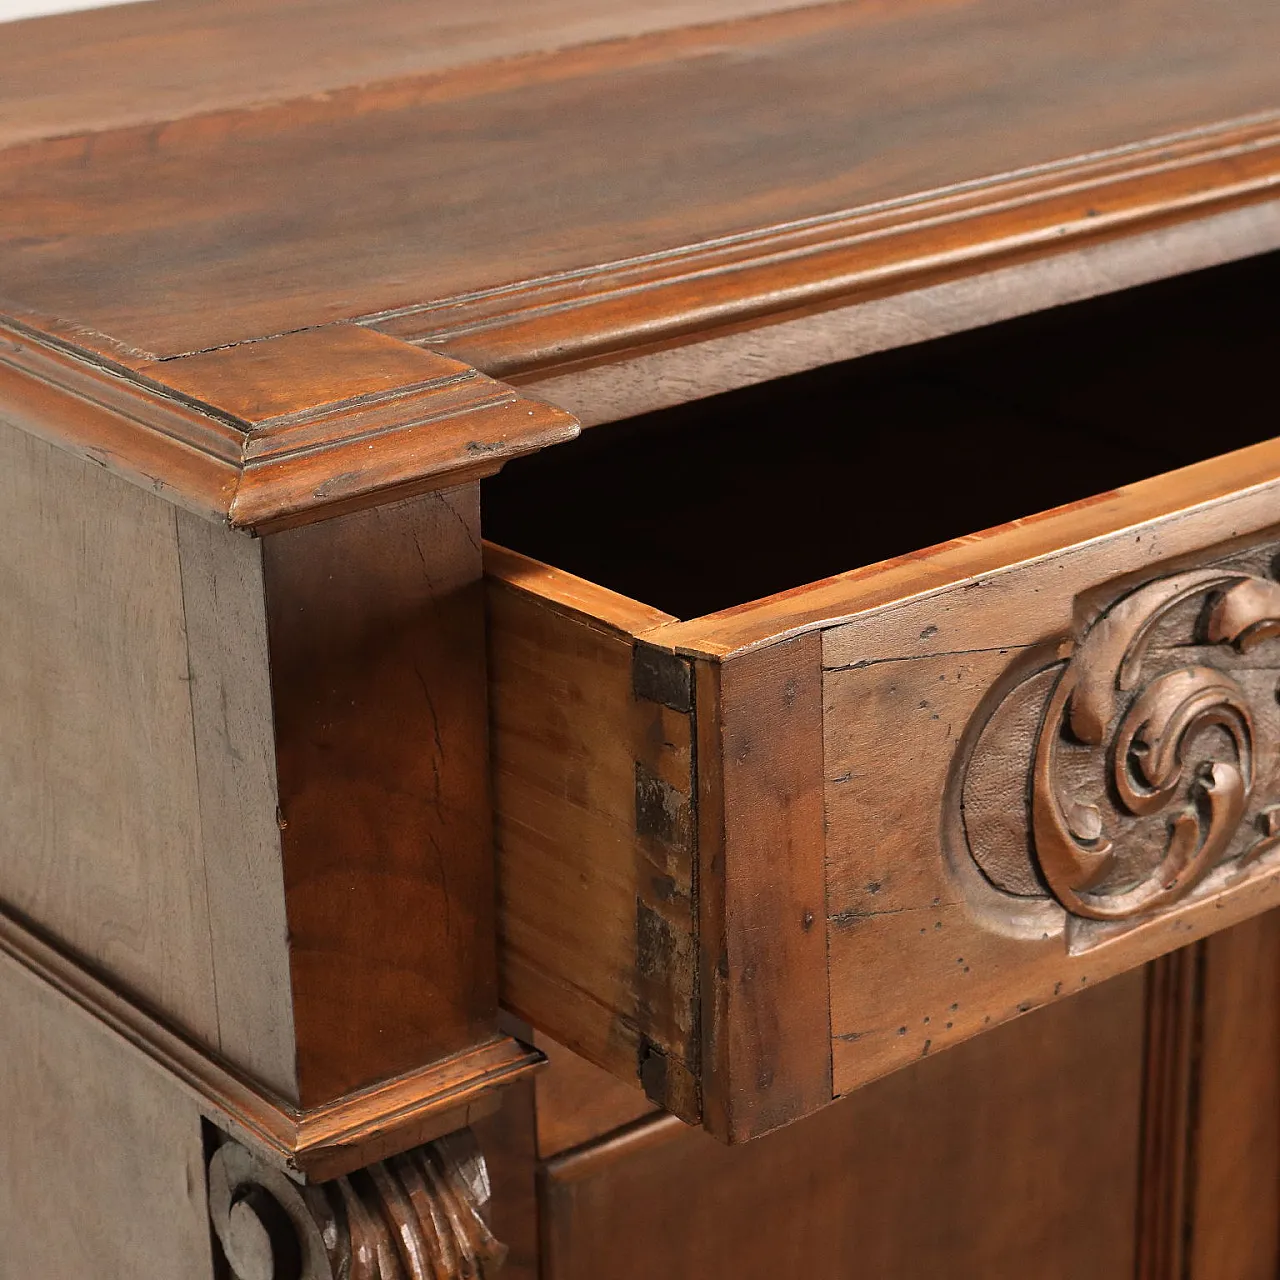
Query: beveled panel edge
{"points": [[551, 327], [430, 428], [311, 1145]]}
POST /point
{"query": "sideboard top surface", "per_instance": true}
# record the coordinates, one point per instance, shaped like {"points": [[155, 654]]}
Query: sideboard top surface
{"points": [[538, 191]]}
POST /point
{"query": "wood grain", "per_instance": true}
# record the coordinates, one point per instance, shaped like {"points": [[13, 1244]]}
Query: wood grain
{"points": [[923, 951], [1232, 1226], [275, 433], [577, 1102], [509, 1140], [593, 793], [778, 346], [1170, 1111], [251, 52], [200, 770], [320, 1142], [340, 417], [229, 682], [376, 629], [773, 128], [154, 703], [762, 890], [1015, 1155], [102, 1163], [976, 958], [1211, 1142], [1089, 384], [923, 241], [101, 819]]}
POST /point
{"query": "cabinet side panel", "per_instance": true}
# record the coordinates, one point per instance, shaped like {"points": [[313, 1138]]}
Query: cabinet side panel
{"points": [[100, 824], [223, 596], [593, 797], [101, 1162], [376, 630]]}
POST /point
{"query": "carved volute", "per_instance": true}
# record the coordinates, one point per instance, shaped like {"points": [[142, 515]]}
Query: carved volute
{"points": [[416, 1216], [1145, 751]]}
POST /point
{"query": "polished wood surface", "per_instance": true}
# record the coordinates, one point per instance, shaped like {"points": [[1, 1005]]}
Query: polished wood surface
{"points": [[1231, 1225], [1170, 1110], [533, 251], [378, 665], [1025, 1152], [745, 128], [277, 433], [595, 768], [251, 52], [817, 726]]}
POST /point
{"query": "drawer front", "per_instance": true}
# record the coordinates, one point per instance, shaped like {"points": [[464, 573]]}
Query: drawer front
{"points": [[858, 823], [1014, 817]]}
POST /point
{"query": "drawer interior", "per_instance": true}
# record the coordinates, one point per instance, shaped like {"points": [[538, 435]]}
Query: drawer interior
{"points": [[722, 501]]}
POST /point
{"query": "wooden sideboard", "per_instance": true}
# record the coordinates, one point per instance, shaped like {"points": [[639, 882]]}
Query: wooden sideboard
{"points": [[586, 588]]}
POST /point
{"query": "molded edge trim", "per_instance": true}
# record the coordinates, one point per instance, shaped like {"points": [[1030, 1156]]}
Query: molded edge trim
{"points": [[553, 325], [430, 428], [311, 1145]]}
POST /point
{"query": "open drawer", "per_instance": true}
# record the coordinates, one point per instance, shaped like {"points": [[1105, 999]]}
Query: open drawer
{"points": [[826, 825]]}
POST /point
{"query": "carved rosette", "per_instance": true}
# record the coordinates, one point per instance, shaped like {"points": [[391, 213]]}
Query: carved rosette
{"points": [[416, 1216], [1146, 760]]}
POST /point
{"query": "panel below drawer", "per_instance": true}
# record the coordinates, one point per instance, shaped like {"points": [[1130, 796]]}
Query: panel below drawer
{"points": [[1016, 1156]]}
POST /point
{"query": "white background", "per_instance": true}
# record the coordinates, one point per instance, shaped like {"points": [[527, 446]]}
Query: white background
{"points": [[11, 10]]}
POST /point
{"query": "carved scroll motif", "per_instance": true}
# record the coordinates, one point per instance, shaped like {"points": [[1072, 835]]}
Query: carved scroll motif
{"points": [[1153, 759], [415, 1216]]}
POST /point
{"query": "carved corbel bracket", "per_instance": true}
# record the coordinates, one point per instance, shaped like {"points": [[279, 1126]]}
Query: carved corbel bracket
{"points": [[416, 1216], [1128, 766]]}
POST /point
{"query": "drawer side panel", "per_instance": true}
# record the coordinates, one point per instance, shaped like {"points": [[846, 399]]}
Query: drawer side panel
{"points": [[594, 800]]}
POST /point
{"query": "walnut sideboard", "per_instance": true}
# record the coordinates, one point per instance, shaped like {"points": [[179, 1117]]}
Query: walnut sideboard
{"points": [[585, 588]]}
